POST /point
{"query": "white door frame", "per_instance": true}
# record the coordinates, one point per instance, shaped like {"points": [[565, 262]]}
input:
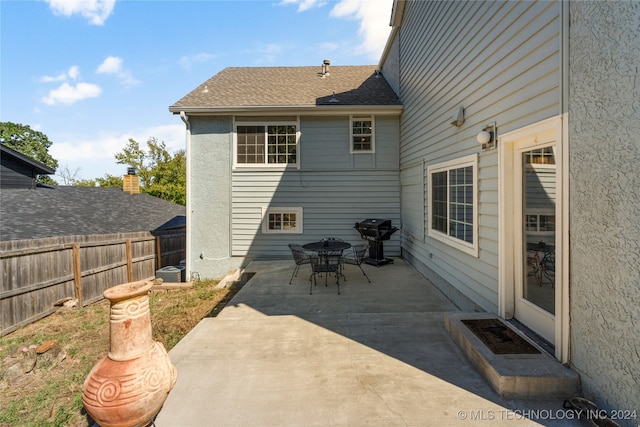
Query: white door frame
{"points": [[506, 263]]}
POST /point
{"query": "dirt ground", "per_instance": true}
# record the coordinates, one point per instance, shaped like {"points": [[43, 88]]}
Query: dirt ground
{"points": [[42, 386]]}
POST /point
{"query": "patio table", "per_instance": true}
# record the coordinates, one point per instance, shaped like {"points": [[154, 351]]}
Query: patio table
{"points": [[327, 246], [325, 249]]}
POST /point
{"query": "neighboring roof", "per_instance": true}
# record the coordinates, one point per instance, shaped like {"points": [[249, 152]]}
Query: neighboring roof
{"points": [[290, 87], [37, 167], [61, 211]]}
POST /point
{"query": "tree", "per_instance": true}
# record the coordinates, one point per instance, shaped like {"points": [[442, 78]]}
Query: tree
{"points": [[161, 174], [31, 143], [68, 177], [110, 181], [74, 179]]}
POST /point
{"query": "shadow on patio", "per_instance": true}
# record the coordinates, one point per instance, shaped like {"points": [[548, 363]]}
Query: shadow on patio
{"points": [[377, 355]]}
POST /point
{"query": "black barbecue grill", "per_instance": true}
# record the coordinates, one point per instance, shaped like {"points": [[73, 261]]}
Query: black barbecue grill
{"points": [[376, 231]]}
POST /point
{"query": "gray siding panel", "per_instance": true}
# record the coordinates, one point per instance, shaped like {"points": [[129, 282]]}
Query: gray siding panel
{"points": [[335, 188], [332, 203], [500, 60], [325, 144], [391, 67]]}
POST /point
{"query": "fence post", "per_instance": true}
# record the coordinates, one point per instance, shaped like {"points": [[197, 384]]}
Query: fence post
{"points": [[158, 252], [129, 260], [77, 273]]}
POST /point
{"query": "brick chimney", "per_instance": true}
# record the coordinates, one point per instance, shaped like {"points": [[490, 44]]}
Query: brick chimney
{"points": [[131, 182]]}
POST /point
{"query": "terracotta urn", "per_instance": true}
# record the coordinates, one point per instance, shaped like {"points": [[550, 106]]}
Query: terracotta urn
{"points": [[130, 384]]}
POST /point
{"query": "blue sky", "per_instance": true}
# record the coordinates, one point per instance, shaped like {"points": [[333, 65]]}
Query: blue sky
{"points": [[90, 74]]}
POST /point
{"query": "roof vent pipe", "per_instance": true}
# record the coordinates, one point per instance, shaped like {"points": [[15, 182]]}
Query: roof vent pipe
{"points": [[325, 67]]}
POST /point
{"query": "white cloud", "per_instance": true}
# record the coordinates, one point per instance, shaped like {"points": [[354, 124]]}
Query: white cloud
{"points": [[188, 61], [303, 4], [374, 17], [95, 11], [113, 65], [95, 156], [67, 94], [59, 78], [73, 73]]}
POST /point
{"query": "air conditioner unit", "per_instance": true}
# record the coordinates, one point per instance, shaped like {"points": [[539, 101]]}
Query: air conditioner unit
{"points": [[171, 274]]}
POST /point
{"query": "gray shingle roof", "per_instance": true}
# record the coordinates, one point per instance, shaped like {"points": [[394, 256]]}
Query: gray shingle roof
{"points": [[291, 87], [61, 211], [38, 167]]}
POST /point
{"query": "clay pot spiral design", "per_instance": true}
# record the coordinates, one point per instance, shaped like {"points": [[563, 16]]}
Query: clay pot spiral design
{"points": [[130, 384]]}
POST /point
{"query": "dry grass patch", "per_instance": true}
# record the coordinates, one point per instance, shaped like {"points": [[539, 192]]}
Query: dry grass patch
{"points": [[51, 394]]}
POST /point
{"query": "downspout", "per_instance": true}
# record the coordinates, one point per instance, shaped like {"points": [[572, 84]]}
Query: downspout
{"points": [[564, 326], [185, 119]]}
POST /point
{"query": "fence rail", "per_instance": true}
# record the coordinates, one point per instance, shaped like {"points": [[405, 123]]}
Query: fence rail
{"points": [[38, 273]]}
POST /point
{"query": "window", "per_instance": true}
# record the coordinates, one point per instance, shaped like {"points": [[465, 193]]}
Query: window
{"points": [[362, 134], [282, 220], [266, 144], [540, 223], [250, 144], [453, 202], [541, 156]]}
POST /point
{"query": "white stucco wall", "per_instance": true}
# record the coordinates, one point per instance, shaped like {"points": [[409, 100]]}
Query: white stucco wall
{"points": [[604, 134]]}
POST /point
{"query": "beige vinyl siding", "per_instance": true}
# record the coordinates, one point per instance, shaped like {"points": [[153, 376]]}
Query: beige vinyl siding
{"points": [[500, 61]]}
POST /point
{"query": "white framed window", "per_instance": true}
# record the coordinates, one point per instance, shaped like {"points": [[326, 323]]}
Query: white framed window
{"points": [[544, 222], [453, 203], [282, 220], [266, 144], [362, 134]]}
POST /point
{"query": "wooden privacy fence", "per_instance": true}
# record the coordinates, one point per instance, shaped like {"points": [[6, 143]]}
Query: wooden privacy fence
{"points": [[38, 273]]}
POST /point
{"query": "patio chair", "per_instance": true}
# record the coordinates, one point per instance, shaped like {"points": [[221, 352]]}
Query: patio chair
{"points": [[357, 255], [328, 262], [300, 257]]}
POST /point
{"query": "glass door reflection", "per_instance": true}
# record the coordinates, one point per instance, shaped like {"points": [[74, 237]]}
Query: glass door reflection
{"points": [[539, 226]]}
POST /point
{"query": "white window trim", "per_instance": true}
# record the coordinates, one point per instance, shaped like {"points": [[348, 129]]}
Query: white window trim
{"points": [[469, 248], [237, 165], [353, 118], [265, 220]]}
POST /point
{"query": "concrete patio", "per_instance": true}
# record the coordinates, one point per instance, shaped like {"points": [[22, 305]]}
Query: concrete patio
{"points": [[377, 355]]}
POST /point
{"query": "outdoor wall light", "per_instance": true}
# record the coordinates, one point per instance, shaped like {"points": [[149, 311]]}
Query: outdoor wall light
{"points": [[488, 136]]}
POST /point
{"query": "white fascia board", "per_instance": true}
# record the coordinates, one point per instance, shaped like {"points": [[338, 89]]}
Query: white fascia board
{"points": [[294, 109]]}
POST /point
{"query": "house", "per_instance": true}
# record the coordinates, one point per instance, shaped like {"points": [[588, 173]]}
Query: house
{"points": [[60, 242], [540, 222], [508, 160], [18, 170], [287, 154], [31, 211]]}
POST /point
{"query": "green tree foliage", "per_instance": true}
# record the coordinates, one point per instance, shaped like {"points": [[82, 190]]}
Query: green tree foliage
{"points": [[72, 178], [109, 181], [106, 181], [31, 143], [161, 174]]}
